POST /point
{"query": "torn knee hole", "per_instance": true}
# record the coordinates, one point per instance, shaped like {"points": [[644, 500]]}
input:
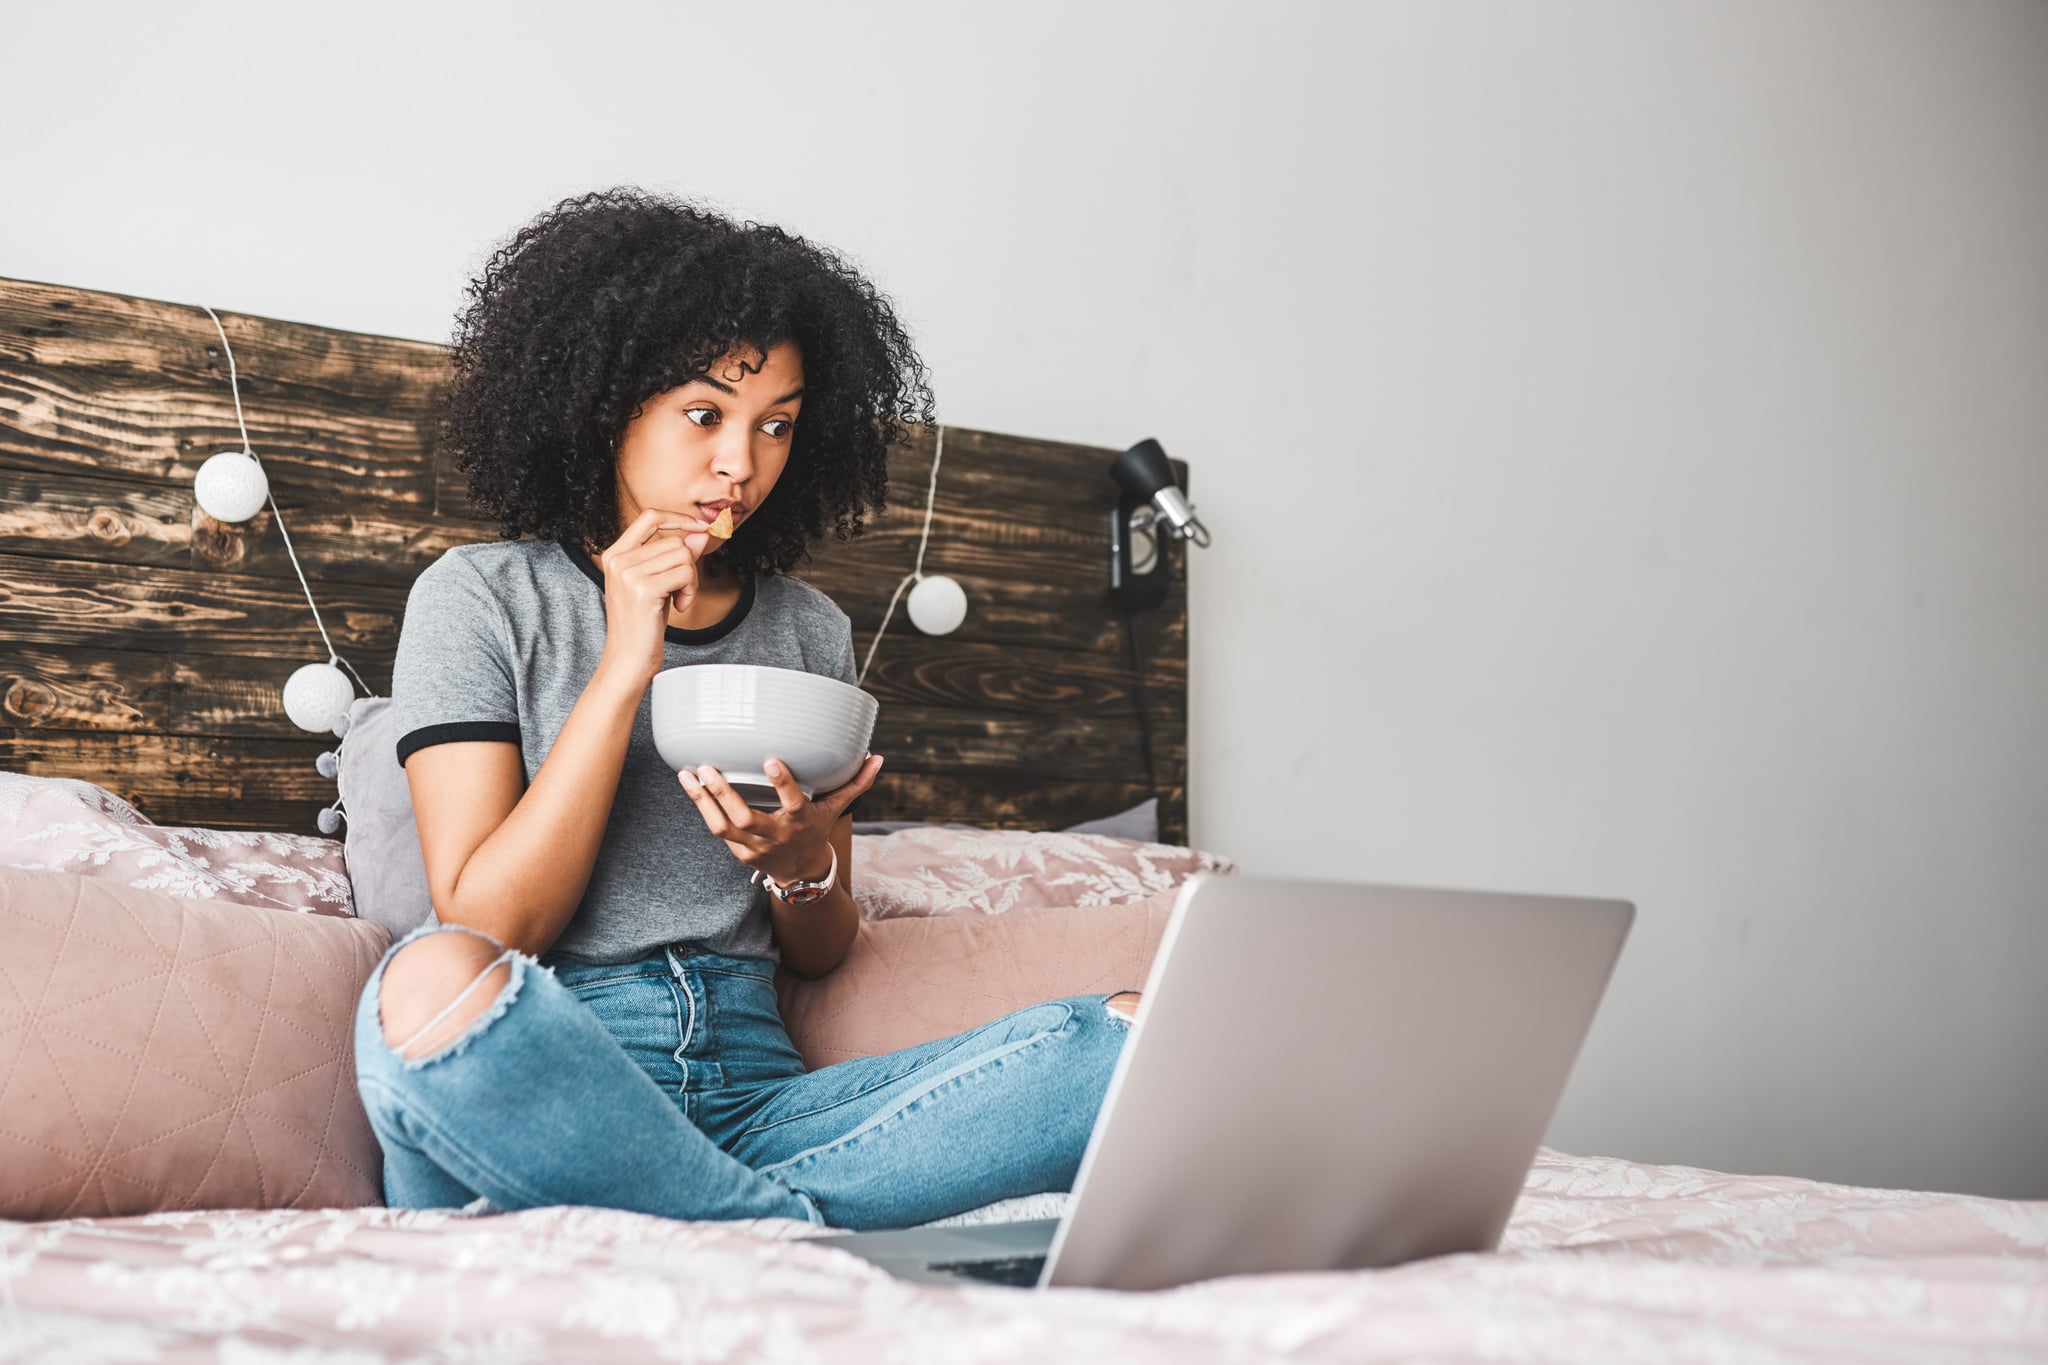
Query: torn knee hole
{"points": [[1124, 1005], [429, 996], [449, 1022]]}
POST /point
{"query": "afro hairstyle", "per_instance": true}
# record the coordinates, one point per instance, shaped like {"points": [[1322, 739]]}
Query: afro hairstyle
{"points": [[611, 298]]}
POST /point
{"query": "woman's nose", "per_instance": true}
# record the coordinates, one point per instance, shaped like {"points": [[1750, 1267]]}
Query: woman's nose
{"points": [[734, 459]]}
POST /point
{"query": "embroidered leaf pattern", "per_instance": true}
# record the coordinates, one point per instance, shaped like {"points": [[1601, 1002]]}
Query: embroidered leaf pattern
{"points": [[944, 870]]}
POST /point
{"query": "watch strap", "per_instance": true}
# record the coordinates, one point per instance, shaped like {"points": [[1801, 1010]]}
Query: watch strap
{"points": [[801, 892]]}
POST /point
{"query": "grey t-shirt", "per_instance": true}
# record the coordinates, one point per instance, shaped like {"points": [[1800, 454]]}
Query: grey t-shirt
{"points": [[498, 643]]}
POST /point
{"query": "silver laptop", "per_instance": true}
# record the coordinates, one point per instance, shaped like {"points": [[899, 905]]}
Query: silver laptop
{"points": [[1321, 1076]]}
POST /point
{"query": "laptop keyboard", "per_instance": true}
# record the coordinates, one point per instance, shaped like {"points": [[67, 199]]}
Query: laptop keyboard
{"points": [[1021, 1271]]}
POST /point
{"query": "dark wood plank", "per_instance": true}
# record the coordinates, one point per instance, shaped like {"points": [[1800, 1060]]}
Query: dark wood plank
{"points": [[178, 780], [1077, 747], [99, 382], [1008, 801], [127, 692], [370, 543], [85, 688], [997, 475], [1001, 611], [1009, 679], [69, 516], [72, 517], [55, 423], [138, 692], [108, 606], [55, 326]]}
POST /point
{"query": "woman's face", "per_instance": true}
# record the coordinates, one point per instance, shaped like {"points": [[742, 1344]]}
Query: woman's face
{"points": [[723, 439]]}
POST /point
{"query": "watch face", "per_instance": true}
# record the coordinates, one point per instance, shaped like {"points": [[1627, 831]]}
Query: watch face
{"points": [[804, 896]]}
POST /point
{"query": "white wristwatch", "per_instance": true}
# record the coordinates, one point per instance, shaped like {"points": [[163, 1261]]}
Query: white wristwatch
{"points": [[801, 893]]}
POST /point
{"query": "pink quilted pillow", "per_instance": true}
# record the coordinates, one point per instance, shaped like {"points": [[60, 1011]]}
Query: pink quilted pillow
{"points": [[945, 870], [177, 1054], [64, 825], [908, 981]]}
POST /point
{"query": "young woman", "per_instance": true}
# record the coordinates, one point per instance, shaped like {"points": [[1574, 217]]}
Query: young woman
{"points": [[591, 1017]]}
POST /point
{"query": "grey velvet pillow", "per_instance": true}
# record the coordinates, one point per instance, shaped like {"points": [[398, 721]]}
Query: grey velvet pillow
{"points": [[1140, 822], [382, 846]]}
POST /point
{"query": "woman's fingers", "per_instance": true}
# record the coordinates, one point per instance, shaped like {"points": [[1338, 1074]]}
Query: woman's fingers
{"points": [[669, 571], [686, 527], [652, 531], [785, 785], [682, 586], [659, 553], [707, 805], [764, 832], [654, 522], [738, 815], [835, 802], [717, 819], [634, 533]]}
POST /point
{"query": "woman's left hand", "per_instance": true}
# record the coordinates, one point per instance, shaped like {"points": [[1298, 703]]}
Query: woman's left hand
{"points": [[790, 843]]}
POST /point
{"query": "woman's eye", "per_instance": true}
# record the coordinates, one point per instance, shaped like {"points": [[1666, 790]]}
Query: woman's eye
{"points": [[784, 424], [709, 414]]}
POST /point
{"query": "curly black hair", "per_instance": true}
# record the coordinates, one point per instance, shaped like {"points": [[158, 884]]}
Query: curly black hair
{"points": [[611, 298]]}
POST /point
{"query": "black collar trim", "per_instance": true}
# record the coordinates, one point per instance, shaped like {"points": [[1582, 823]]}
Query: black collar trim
{"points": [[675, 635]]}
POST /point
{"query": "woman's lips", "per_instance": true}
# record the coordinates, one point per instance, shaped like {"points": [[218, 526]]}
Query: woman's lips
{"points": [[723, 515]]}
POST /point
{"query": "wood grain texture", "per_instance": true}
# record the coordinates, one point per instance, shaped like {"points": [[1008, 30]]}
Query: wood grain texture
{"points": [[138, 692], [185, 779], [71, 602], [145, 646], [93, 382]]}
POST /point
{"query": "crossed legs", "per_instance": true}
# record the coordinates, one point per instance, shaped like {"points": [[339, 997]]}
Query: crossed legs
{"points": [[484, 1075]]}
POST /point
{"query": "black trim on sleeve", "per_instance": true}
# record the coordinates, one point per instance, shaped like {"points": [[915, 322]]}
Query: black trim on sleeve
{"points": [[456, 732]]}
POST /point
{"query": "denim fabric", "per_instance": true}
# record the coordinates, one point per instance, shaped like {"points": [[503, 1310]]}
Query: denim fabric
{"points": [[669, 1086]]}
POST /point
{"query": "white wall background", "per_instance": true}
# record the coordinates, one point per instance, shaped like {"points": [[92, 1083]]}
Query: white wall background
{"points": [[1624, 427]]}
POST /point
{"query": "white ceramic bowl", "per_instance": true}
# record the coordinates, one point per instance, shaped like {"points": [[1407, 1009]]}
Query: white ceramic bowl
{"points": [[737, 716]]}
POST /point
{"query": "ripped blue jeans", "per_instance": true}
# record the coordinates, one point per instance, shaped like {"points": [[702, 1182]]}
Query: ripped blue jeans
{"points": [[669, 1086]]}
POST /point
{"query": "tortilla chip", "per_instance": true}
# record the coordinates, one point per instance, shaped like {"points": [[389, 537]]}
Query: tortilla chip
{"points": [[722, 528]]}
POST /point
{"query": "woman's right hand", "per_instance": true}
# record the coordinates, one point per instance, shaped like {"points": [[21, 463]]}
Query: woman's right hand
{"points": [[652, 565]]}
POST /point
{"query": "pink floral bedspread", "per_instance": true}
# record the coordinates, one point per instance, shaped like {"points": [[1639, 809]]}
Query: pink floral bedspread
{"points": [[1604, 1261]]}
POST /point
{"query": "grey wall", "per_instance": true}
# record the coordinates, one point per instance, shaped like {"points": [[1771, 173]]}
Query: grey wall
{"points": [[1624, 427]]}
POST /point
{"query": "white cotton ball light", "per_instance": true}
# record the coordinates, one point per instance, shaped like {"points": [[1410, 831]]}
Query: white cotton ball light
{"points": [[937, 605], [231, 486], [315, 695]]}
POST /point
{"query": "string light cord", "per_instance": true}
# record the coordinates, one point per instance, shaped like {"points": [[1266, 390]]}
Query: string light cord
{"points": [[1138, 696], [235, 387], [931, 498]]}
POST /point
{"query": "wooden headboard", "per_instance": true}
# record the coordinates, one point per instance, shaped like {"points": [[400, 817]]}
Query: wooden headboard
{"points": [[144, 646]]}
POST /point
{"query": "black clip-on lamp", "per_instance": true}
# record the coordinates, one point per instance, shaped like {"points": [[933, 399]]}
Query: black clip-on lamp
{"points": [[1152, 508]]}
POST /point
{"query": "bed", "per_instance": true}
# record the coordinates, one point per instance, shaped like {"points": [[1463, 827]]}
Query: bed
{"points": [[143, 648]]}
